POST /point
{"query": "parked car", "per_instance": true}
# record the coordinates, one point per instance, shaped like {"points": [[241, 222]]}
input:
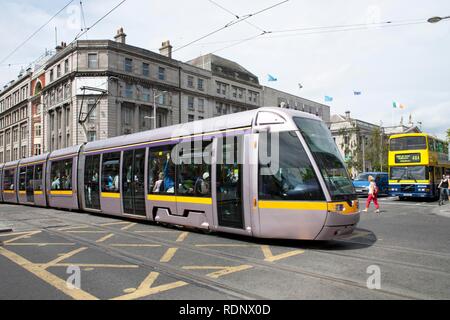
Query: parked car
{"points": [[362, 184]]}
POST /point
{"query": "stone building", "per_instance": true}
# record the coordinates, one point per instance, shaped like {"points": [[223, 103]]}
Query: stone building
{"points": [[15, 122], [97, 89]]}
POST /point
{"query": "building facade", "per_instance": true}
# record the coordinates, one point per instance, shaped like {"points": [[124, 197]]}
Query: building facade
{"points": [[364, 145], [97, 89], [15, 122]]}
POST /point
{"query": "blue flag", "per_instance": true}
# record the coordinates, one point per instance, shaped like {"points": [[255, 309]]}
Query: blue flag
{"points": [[272, 78], [328, 99]]}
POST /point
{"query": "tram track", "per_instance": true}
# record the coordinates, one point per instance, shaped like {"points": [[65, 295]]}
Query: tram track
{"points": [[157, 266], [236, 258]]}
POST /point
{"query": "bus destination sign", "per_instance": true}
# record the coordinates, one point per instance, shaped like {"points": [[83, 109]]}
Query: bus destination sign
{"points": [[408, 158]]}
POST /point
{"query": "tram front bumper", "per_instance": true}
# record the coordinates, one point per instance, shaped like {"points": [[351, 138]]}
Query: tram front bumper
{"points": [[339, 223]]}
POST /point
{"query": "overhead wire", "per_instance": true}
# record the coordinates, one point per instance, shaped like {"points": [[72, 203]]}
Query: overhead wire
{"points": [[238, 20], [35, 33], [99, 20]]}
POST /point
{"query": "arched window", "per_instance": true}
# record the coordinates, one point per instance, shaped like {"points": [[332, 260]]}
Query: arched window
{"points": [[37, 88]]}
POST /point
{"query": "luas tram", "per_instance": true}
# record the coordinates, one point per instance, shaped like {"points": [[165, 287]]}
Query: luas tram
{"points": [[266, 173]]}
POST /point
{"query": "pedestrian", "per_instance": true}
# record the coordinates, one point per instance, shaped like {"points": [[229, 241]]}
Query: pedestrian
{"points": [[444, 187], [373, 195]]}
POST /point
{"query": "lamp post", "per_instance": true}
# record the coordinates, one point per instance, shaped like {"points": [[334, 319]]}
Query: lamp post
{"points": [[437, 19], [155, 107]]}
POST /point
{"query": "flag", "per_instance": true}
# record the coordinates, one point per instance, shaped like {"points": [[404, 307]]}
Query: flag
{"points": [[397, 105], [272, 78], [328, 99], [357, 93]]}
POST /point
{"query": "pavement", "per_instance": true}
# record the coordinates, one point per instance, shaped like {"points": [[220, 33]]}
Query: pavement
{"points": [[60, 255]]}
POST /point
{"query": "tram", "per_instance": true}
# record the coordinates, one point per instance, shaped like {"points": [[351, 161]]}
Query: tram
{"points": [[265, 173]]}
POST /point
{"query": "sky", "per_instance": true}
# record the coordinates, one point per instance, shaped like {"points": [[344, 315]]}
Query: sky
{"points": [[407, 64]]}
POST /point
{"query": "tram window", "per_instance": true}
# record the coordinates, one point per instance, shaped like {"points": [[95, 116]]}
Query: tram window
{"points": [[8, 180], [111, 172], [293, 178], [194, 169], [38, 177], [61, 175], [161, 179], [22, 178]]}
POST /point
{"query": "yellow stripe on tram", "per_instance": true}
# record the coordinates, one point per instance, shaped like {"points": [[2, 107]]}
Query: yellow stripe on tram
{"points": [[61, 193], [9, 191], [111, 195], [38, 193], [315, 206], [22, 193], [173, 199]]}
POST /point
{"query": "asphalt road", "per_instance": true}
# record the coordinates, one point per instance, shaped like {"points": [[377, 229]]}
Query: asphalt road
{"points": [[109, 258]]}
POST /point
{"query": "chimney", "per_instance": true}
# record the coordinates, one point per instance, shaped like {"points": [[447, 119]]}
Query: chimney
{"points": [[347, 115], [121, 37], [58, 48], [166, 49]]}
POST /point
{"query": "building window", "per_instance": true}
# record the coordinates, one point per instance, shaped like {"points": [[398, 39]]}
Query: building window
{"points": [[58, 71], [37, 149], [91, 136], [191, 118], [23, 132], [128, 65], [146, 94], [201, 84], [37, 130], [191, 103], [145, 69], [23, 151], [129, 91], [51, 76], [201, 105], [92, 61], [161, 73], [15, 134], [66, 66], [190, 81]]}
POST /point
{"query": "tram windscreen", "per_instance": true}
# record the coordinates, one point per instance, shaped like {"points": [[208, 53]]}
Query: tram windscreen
{"points": [[328, 158]]}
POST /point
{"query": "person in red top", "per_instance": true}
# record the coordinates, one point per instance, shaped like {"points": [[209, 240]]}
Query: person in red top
{"points": [[373, 195]]}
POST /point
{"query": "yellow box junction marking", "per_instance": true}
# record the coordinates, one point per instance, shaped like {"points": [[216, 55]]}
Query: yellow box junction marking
{"points": [[46, 276], [62, 258], [182, 236], [145, 288], [132, 245], [222, 271], [41, 244], [269, 257], [167, 257], [128, 227], [105, 238], [26, 235]]}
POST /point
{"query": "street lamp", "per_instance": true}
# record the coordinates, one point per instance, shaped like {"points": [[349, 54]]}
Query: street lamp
{"points": [[437, 19], [155, 107]]}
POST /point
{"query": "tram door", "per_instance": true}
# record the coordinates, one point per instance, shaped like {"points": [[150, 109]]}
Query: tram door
{"points": [[229, 176], [30, 184], [133, 182], [92, 182]]}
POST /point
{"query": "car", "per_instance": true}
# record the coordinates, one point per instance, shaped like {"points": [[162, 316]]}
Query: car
{"points": [[361, 183]]}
